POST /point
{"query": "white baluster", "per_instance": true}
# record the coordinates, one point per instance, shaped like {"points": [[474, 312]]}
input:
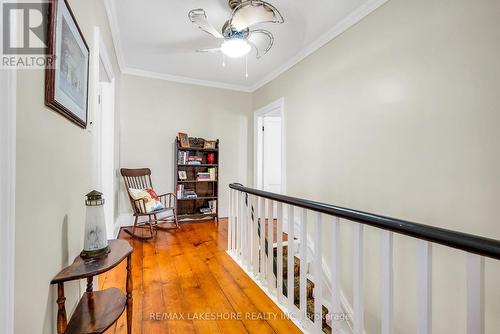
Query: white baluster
{"points": [[303, 267], [243, 229], [270, 254], [318, 275], [279, 239], [475, 294], [238, 226], [337, 309], [263, 257], [424, 287], [234, 221], [291, 260], [358, 300], [229, 222], [249, 232], [387, 283], [255, 235]]}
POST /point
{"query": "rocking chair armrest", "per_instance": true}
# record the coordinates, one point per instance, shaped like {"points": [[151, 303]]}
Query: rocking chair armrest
{"points": [[163, 199], [140, 205]]}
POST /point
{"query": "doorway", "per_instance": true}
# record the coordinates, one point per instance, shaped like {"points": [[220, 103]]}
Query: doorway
{"points": [[269, 148], [104, 127]]}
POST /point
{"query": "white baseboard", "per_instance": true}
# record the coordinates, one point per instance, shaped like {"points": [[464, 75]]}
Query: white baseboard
{"points": [[125, 219]]}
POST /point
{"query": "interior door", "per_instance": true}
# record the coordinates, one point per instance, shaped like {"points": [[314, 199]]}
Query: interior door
{"points": [[272, 147]]}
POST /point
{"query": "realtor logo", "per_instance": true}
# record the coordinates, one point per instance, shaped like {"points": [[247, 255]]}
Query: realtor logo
{"points": [[24, 34]]}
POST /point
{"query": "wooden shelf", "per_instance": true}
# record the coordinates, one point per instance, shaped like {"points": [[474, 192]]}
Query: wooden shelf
{"points": [[197, 216], [196, 199], [97, 311], [202, 165], [188, 209], [199, 149], [196, 181]]}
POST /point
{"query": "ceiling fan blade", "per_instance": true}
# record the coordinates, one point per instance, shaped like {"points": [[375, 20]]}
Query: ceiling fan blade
{"points": [[214, 50], [252, 12], [199, 18], [262, 40]]}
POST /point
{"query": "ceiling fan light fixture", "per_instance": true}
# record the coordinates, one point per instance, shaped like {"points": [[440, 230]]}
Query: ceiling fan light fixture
{"points": [[235, 47]]}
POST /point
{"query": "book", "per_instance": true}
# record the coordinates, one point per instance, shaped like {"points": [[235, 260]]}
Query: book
{"points": [[190, 194], [212, 173], [182, 157], [180, 191], [213, 205]]}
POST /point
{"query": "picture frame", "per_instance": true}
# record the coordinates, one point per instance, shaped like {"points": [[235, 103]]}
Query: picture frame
{"points": [[67, 78], [183, 140], [182, 175], [210, 144]]}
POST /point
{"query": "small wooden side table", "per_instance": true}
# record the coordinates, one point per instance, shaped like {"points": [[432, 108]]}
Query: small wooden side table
{"points": [[97, 310]]}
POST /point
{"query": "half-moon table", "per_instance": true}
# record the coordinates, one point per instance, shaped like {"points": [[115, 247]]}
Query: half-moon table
{"points": [[97, 310]]}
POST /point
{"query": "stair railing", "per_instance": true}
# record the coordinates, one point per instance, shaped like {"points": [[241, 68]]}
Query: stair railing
{"points": [[253, 232]]}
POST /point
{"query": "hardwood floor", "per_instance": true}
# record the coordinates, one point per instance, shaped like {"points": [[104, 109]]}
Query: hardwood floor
{"points": [[184, 282]]}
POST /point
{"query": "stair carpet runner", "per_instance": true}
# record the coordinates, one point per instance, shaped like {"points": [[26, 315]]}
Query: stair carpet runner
{"points": [[309, 290], [296, 294]]}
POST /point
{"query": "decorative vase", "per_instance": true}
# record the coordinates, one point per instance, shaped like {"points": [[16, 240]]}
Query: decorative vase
{"points": [[211, 158]]}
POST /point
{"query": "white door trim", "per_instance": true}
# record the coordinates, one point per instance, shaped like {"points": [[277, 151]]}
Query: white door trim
{"points": [[101, 55], [278, 104], [8, 81]]}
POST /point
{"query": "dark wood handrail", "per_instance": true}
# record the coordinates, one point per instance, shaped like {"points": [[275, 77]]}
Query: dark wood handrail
{"points": [[463, 241]]}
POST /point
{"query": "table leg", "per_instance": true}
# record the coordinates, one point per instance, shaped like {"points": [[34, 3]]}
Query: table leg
{"points": [[129, 294], [90, 284], [62, 320]]}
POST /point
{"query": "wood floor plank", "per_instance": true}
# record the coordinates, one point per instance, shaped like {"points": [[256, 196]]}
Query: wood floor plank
{"points": [[185, 282]]}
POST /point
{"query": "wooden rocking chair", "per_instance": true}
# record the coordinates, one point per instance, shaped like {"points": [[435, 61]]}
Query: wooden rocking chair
{"points": [[141, 179]]}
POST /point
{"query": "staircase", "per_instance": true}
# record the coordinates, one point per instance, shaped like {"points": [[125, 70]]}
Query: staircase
{"points": [[257, 243], [296, 284], [296, 279]]}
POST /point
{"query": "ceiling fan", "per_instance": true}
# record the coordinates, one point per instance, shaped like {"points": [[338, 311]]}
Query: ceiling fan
{"points": [[238, 36]]}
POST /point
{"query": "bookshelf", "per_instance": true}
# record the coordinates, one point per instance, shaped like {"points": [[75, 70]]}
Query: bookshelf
{"points": [[201, 178]]}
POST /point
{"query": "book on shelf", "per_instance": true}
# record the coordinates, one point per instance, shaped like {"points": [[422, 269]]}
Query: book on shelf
{"points": [[213, 205], [180, 191], [182, 157], [189, 194], [203, 176], [210, 175], [213, 173]]}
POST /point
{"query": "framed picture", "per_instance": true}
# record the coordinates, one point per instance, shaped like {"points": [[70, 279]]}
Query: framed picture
{"points": [[183, 139], [67, 79], [182, 175], [210, 144]]}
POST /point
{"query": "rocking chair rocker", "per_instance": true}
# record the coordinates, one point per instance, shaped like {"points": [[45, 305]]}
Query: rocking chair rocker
{"points": [[141, 179]]}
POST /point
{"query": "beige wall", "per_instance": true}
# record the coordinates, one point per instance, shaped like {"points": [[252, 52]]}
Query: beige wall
{"points": [[400, 115], [154, 111], [55, 169]]}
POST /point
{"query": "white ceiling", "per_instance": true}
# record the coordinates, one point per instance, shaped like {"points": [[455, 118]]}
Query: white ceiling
{"points": [[155, 38]]}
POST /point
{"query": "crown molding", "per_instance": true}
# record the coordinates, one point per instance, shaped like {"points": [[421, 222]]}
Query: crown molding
{"points": [[184, 80], [353, 18], [110, 7]]}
